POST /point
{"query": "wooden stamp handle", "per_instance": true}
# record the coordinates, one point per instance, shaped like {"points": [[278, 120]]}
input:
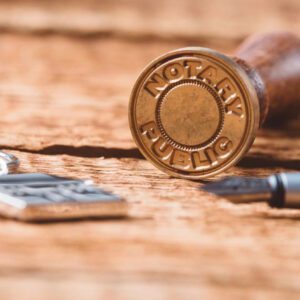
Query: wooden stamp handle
{"points": [[272, 61]]}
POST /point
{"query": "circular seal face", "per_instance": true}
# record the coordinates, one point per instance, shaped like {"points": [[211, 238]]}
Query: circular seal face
{"points": [[193, 113]]}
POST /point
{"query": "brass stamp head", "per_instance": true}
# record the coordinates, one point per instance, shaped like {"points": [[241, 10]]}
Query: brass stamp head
{"points": [[193, 113]]}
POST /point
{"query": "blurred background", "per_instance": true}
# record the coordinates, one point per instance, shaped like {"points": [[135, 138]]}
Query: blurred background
{"points": [[167, 19]]}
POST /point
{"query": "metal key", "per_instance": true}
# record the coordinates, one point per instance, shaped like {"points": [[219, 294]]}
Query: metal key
{"points": [[40, 197], [279, 190]]}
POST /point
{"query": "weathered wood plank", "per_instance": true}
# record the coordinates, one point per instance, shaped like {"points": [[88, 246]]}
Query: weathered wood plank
{"points": [[177, 241], [70, 92]]}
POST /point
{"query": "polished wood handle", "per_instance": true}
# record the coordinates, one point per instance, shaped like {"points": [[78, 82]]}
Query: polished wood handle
{"points": [[272, 61]]}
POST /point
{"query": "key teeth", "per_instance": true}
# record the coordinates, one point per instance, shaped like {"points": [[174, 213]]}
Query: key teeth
{"points": [[241, 189]]}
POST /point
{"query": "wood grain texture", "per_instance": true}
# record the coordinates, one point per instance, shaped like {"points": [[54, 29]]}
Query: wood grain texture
{"points": [[64, 111]]}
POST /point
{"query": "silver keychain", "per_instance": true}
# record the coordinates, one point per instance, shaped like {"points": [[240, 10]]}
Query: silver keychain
{"points": [[8, 163]]}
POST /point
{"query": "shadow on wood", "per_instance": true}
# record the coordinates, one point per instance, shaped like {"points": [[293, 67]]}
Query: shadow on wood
{"points": [[263, 161]]}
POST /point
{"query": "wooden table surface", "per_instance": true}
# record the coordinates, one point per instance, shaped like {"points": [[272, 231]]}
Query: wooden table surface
{"points": [[65, 79]]}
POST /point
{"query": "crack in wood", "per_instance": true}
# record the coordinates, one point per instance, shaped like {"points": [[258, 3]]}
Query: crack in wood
{"points": [[248, 162], [82, 151]]}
